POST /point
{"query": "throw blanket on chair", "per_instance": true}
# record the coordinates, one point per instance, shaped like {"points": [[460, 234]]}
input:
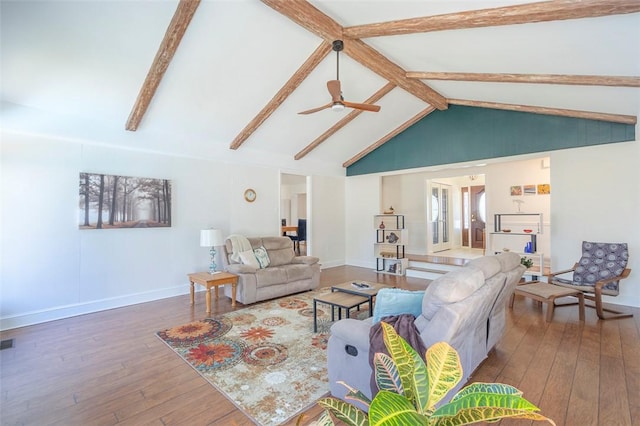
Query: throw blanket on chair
{"points": [[239, 243], [403, 325]]}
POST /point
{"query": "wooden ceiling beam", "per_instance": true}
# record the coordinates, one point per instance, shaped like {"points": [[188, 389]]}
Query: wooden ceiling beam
{"points": [[307, 67], [378, 63], [508, 15], [309, 17], [312, 19], [413, 120], [345, 120], [580, 80], [172, 37], [616, 118]]}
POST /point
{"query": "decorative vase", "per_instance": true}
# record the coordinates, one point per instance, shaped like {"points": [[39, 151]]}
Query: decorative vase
{"points": [[382, 225]]}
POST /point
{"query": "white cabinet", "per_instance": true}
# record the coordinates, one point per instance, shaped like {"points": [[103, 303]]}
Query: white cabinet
{"points": [[391, 238], [522, 229]]}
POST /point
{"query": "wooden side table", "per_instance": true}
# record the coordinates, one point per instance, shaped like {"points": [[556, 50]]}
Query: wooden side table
{"points": [[208, 280]]}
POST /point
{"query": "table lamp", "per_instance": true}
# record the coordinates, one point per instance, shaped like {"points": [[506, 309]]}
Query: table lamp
{"points": [[211, 238]]}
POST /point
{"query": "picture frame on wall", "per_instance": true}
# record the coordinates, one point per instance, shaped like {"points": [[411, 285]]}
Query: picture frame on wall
{"points": [[544, 189], [516, 190], [115, 202], [529, 190]]}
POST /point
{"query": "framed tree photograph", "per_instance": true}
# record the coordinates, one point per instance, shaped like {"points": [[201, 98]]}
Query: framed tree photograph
{"points": [[110, 201]]}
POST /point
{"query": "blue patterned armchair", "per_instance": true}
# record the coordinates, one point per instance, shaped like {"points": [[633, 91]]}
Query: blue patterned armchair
{"points": [[598, 272]]}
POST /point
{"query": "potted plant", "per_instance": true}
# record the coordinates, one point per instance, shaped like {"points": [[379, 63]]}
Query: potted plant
{"points": [[411, 389], [527, 262]]}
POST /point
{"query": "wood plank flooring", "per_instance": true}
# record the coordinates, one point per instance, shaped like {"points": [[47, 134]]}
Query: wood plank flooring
{"points": [[108, 368]]}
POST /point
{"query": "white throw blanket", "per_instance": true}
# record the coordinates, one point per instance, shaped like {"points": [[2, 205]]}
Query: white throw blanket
{"points": [[239, 243]]}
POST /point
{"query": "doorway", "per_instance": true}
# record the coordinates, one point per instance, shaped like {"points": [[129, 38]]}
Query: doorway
{"points": [[440, 216], [293, 210], [477, 217], [455, 216]]}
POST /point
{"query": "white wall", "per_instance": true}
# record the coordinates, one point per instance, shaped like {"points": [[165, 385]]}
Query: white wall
{"points": [[327, 233], [362, 202], [595, 195], [50, 269]]}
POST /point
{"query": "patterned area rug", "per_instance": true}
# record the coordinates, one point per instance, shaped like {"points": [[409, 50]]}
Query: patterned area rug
{"points": [[264, 358]]}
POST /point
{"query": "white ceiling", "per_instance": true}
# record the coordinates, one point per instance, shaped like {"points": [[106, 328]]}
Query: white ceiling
{"points": [[73, 69]]}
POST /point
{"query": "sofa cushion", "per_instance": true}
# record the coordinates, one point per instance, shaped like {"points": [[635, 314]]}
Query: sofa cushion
{"points": [[489, 265], [280, 250], [262, 256], [271, 276], [452, 287], [601, 261], [297, 272], [249, 258], [396, 301], [508, 261]]}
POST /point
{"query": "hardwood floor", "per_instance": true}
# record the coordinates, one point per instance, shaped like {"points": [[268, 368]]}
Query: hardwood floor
{"points": [[109, 368]]}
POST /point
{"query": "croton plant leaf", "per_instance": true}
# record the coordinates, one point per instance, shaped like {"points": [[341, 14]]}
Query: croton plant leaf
{"points": [[444, 371], [344, 411], [402, 359], [388, 408], [386, 373]]}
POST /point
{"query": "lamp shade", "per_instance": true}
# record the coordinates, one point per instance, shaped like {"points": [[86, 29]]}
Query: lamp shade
{"points": [[211, 238]]}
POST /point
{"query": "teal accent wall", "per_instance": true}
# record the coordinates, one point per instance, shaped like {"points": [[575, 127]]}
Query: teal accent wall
{"points": [[463, 133]]}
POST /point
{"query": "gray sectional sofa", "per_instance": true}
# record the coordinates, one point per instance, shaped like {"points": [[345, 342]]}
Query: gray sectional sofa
{"points": [[286, 273], [465, 308]]}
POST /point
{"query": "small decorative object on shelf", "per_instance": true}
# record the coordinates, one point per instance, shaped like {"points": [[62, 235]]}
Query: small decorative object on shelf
{"points": [[506, 230], [382, 225], [392, 238], [390, 211]]}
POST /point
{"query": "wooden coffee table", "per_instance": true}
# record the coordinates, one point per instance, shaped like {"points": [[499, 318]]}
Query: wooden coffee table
{"points": [[340, 300], [209, 280], [346, 296], [369, 293]]}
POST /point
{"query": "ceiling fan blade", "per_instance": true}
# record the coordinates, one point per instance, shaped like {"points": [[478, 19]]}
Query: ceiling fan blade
{"points": [[364, 107], [310, 111], [334, 90]]}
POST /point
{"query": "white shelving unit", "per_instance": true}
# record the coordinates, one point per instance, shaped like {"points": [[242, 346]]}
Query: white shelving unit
{"points": [[391, 237], [515, 224]]}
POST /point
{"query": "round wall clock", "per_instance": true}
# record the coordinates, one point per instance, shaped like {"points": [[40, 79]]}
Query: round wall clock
{"points": [[250, 195]]}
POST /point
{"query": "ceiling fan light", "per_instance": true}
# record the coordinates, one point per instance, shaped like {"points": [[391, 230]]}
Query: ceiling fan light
{"points": [[337, 107]]}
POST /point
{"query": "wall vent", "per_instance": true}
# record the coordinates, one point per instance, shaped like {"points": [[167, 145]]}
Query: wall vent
{"points": [[6, 344]]}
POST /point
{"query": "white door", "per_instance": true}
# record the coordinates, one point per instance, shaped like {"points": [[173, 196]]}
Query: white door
{"points": [[440, 215]]}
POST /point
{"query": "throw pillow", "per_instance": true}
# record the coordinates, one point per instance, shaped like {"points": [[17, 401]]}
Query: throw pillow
{"points": [[395, 301], [249, 258], [262, 256]]}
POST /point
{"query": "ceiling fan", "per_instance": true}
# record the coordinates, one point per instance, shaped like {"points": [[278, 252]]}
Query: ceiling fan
{"points": [[337, 101]]}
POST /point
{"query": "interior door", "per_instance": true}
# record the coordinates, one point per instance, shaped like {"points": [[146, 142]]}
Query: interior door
{"points": [[440, 216], [477, 206]]}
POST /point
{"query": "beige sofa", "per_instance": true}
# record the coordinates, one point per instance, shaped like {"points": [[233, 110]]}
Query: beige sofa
{"points": [[286, 273], [465, 308]]}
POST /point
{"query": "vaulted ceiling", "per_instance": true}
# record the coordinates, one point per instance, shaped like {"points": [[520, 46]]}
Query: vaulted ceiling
{"points": [[225, 79]]}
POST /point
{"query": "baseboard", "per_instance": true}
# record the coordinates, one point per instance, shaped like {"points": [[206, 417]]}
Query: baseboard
{"points": [[60, 312]]}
